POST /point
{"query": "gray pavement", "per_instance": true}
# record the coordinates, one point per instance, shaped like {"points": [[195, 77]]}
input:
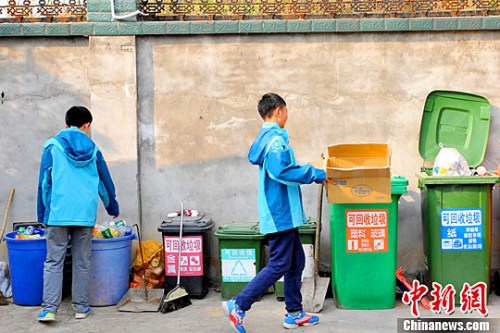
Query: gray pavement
{"points": [[206, 315]]}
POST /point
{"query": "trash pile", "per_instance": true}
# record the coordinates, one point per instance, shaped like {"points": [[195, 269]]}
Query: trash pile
{"points": [[151, 271], [112, 229], [5, 285], [449, 162], [29, 232], [187, 212]]}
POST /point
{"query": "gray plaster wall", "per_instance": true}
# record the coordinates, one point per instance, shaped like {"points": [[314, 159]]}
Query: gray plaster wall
{"points": [[40, 80], [175, 115]]}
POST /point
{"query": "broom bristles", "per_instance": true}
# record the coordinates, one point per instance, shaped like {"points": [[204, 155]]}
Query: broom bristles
{"points": [[176, 299]]}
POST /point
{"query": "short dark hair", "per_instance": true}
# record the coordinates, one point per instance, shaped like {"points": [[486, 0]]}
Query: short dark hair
{"points": [[78, 116], [268, 103]]}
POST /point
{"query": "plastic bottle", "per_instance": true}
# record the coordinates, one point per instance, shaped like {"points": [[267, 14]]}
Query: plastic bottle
{"points": [[120, 227], [128, 230], [30, 230], [120, 223], [481, 171], [106, 233]]}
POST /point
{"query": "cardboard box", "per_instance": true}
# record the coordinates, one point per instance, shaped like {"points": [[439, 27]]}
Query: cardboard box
{"points": [[359, 173]]}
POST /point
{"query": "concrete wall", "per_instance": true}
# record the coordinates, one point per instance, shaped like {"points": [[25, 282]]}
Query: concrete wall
{"points": [[179, 113], [40, 80]]}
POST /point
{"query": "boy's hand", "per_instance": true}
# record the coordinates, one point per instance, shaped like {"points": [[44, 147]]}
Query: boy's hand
{"points": [[325, 184], [328, 180]]}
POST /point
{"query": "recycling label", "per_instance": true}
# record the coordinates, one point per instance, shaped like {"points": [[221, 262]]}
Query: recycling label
{"points": [[191, 255], [238, 265], [461, 229], [367, 230]]}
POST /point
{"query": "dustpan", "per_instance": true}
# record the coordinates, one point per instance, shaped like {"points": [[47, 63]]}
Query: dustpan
{"points": [[314, 289], [140, 299]]}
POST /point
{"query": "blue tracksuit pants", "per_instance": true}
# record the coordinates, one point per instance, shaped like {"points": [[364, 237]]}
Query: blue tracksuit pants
{"points": [[286, 258]]}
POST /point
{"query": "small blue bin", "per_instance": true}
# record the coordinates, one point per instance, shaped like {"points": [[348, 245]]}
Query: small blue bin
{"points": [[110, 270], [26, 258]]}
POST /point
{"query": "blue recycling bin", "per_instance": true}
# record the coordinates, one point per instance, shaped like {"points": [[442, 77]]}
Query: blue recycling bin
{"points": [[110, 270], [26, 259]]}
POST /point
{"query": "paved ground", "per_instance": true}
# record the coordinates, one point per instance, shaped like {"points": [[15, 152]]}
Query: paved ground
{"points": [[206, 315]]}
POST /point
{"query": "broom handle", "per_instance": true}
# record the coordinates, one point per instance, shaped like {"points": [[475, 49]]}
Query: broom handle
{"points": [[142, 259], [318, 227], [12, 190], [180, 245]]}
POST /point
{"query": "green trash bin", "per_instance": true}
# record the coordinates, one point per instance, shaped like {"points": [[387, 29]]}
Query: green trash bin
{"points": [[307, 235], [456, 210], [241, 256], [364, 251]]}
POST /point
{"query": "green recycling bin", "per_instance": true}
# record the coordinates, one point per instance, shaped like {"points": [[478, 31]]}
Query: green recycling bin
{"points": [[456, 210], [364, 251], [307, 233], [241, 254]]}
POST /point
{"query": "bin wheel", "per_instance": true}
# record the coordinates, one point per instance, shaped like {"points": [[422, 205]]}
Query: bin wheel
{"points": [[280, 299]]}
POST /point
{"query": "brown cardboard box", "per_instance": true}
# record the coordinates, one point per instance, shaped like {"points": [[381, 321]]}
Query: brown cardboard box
{"points": [[359, 173]]}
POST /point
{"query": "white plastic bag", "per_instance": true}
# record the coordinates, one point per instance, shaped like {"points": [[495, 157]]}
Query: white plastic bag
{"points": [[449, 162], [5, 286]]}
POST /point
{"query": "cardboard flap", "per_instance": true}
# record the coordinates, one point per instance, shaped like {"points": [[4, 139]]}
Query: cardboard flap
{"points": [[319, 164], [359, 173], [359, 155]]}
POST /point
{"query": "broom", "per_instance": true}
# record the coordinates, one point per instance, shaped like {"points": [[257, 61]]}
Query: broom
{"points": [[178, 297]]}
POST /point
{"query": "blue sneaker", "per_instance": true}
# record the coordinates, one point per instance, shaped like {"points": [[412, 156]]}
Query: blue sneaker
{"points": [[235, 314], [84, 314], [302, 319], [46, 316]]}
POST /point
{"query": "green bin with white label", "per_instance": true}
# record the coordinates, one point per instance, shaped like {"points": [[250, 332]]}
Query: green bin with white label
{"points": [[456, 210], [241, 256]]}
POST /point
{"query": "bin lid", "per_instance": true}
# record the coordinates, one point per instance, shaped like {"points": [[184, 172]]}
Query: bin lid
{"points": [[308, 228], [239, 230], [190, 226], [188, 218], [399, 184], [456, 120]]}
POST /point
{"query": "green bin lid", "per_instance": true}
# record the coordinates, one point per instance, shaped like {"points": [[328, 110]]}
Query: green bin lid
{"points": [[399, 184], [239, 230], [308, 228], [455, 120]]}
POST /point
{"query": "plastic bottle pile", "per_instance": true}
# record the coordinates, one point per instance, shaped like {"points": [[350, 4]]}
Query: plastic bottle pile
{"points": [[112, 229], [28, 232]]}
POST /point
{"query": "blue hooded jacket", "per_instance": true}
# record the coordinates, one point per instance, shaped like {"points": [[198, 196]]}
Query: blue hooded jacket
{"points": [[73, 174], [280, 177]]}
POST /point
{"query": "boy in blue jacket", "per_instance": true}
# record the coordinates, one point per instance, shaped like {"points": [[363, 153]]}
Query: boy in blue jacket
{"points": [[280, 214], [73, 174]]}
